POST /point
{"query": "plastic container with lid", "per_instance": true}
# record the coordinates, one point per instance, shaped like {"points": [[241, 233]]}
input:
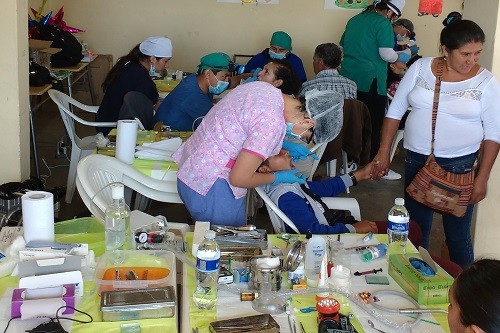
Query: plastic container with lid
{"points": [[131, 269]]}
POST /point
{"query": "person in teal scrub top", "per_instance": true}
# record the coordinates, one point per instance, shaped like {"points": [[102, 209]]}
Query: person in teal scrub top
{"points": [[367, 43]]}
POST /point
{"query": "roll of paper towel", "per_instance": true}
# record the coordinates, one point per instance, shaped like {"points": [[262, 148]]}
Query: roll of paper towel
{"points": [[126, 138], [38, 216]]}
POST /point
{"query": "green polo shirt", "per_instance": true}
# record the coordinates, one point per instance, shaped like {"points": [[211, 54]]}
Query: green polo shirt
{"points": [[364, 34]]}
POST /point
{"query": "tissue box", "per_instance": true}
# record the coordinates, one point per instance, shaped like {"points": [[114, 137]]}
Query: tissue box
{"points": [[424, 289], [65, 292]]}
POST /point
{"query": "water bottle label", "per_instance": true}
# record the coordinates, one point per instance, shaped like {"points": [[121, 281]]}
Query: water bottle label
{"points": [[207, 266], [398, 227]]}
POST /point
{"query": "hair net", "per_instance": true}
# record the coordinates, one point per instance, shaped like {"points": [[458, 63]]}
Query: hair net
{"points": [[281, 39], [160, 47], [396, 6], [216, 61], [326, 108]]}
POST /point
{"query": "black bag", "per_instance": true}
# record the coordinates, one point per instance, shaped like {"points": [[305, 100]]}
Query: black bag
{"points": [[71, 49], [39, 75]]}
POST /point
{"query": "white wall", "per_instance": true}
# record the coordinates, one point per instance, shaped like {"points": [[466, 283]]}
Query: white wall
{"points": [[197, 27], [486, 229], [14, 93]]}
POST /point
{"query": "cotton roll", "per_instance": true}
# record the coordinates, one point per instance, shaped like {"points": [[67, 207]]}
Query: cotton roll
{"points": [[126, 138], [38, 216]]}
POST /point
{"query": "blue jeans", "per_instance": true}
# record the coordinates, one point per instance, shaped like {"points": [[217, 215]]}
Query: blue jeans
{"points": [[456, 229], [218, 206]]}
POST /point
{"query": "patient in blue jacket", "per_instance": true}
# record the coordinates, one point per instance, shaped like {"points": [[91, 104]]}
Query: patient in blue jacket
{"points": [[302, 203]]}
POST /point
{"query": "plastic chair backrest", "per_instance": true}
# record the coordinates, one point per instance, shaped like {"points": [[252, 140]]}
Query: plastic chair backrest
{"points": [[64, 103], [96, 172], [279, 219], [318, 149]]}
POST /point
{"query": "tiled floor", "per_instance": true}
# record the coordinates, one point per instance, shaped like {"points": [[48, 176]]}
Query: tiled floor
{"points": [[375, 197]]}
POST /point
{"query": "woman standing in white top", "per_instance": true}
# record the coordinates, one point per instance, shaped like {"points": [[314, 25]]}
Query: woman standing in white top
{"points": [[468, 118]]}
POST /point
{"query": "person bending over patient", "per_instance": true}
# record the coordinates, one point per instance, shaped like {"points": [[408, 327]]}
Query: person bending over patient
{"points": [[475, 299], [301, 203]]}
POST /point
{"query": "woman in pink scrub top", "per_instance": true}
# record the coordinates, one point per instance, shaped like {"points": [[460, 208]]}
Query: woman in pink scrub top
{"points": [[220, 160]]}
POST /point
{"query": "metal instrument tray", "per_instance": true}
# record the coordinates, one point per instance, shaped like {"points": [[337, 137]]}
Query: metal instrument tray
{"points": [[138, 303], [263, 323]]}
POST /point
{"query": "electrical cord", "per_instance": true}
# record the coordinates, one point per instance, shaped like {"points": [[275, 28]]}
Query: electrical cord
{"points": [[54, 325]]}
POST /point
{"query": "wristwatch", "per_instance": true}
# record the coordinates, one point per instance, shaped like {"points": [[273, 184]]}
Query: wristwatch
{"points": [[353, 178]]}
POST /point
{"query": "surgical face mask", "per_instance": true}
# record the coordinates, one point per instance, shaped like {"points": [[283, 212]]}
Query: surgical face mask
{"points": [[400, 38], [152, 70], [275, 55], [289, 131], [219, 88]]}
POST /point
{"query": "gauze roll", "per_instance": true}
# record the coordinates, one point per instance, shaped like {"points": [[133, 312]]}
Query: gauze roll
{"points": [[38, 216], [126, 138]]}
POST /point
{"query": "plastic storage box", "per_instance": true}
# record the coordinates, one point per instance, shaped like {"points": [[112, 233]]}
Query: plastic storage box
{"points": [[82, 230], [118, 270]]}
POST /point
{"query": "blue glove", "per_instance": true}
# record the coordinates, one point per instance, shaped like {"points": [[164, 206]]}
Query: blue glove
{"points": [[414, 49], [298, 151], [255, 76], [288, 176], [403, 57]]}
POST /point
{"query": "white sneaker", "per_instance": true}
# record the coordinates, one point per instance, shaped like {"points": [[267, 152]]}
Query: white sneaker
{"points": [[353, 166], [392, 175]]}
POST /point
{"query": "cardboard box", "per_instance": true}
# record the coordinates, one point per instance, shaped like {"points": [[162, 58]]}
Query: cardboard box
{"points": [[40, 51], [424, 289]]}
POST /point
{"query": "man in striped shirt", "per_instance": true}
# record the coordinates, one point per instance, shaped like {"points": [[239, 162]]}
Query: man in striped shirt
{"points": [[326, 60]]}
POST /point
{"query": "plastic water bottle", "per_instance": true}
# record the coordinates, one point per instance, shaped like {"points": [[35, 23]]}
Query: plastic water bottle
{"points": [[315, 249], [374, 252], [398, 227], [117, 221], [207, 272]]}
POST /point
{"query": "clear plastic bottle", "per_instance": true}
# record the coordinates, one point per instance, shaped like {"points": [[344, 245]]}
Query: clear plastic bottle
{"points": [[207, 272], [315, 249], [374, 252], [398, 227], [117, 221]]}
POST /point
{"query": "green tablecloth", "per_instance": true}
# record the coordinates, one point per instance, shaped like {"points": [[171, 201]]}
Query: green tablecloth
{"points": [[201, 319]]}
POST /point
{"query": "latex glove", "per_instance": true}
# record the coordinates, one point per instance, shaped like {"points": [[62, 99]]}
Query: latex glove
{"points": [[255, 76], [298, 151], [403, 56], [414, 49], [288, 176]]}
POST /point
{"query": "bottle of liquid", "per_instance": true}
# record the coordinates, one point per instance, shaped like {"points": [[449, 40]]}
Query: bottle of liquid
{"points": [[398, 227], [315, 249], [374, 252], [117, 221], [207, 272]]}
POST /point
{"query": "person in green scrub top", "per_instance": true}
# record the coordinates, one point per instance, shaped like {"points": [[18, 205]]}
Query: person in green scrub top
{"points": [[367, 43]]}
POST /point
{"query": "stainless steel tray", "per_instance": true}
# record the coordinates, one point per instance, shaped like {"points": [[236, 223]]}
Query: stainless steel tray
{"points": [[138, 303], [263, 323]]}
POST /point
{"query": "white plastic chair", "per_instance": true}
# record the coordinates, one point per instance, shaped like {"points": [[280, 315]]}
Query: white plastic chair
{"points": [[279, 219], [398, 137], [96, 172], [80, 147], [318, 149]]}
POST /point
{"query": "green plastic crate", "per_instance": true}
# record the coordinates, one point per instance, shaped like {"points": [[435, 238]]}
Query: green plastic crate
{"points": [[82, 230]]}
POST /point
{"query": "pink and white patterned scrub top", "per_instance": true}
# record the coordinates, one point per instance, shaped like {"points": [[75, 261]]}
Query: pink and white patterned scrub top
{"points": [[249, 118]]}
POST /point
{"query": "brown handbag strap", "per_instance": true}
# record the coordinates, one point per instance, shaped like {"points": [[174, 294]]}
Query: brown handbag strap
{"points": [[437, 90]]}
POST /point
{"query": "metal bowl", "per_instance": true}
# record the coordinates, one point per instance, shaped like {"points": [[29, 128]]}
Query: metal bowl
{"points": [[294, 256]]}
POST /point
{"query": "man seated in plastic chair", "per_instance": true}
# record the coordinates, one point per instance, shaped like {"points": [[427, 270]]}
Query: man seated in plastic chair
{"points": [[302, 203]]}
